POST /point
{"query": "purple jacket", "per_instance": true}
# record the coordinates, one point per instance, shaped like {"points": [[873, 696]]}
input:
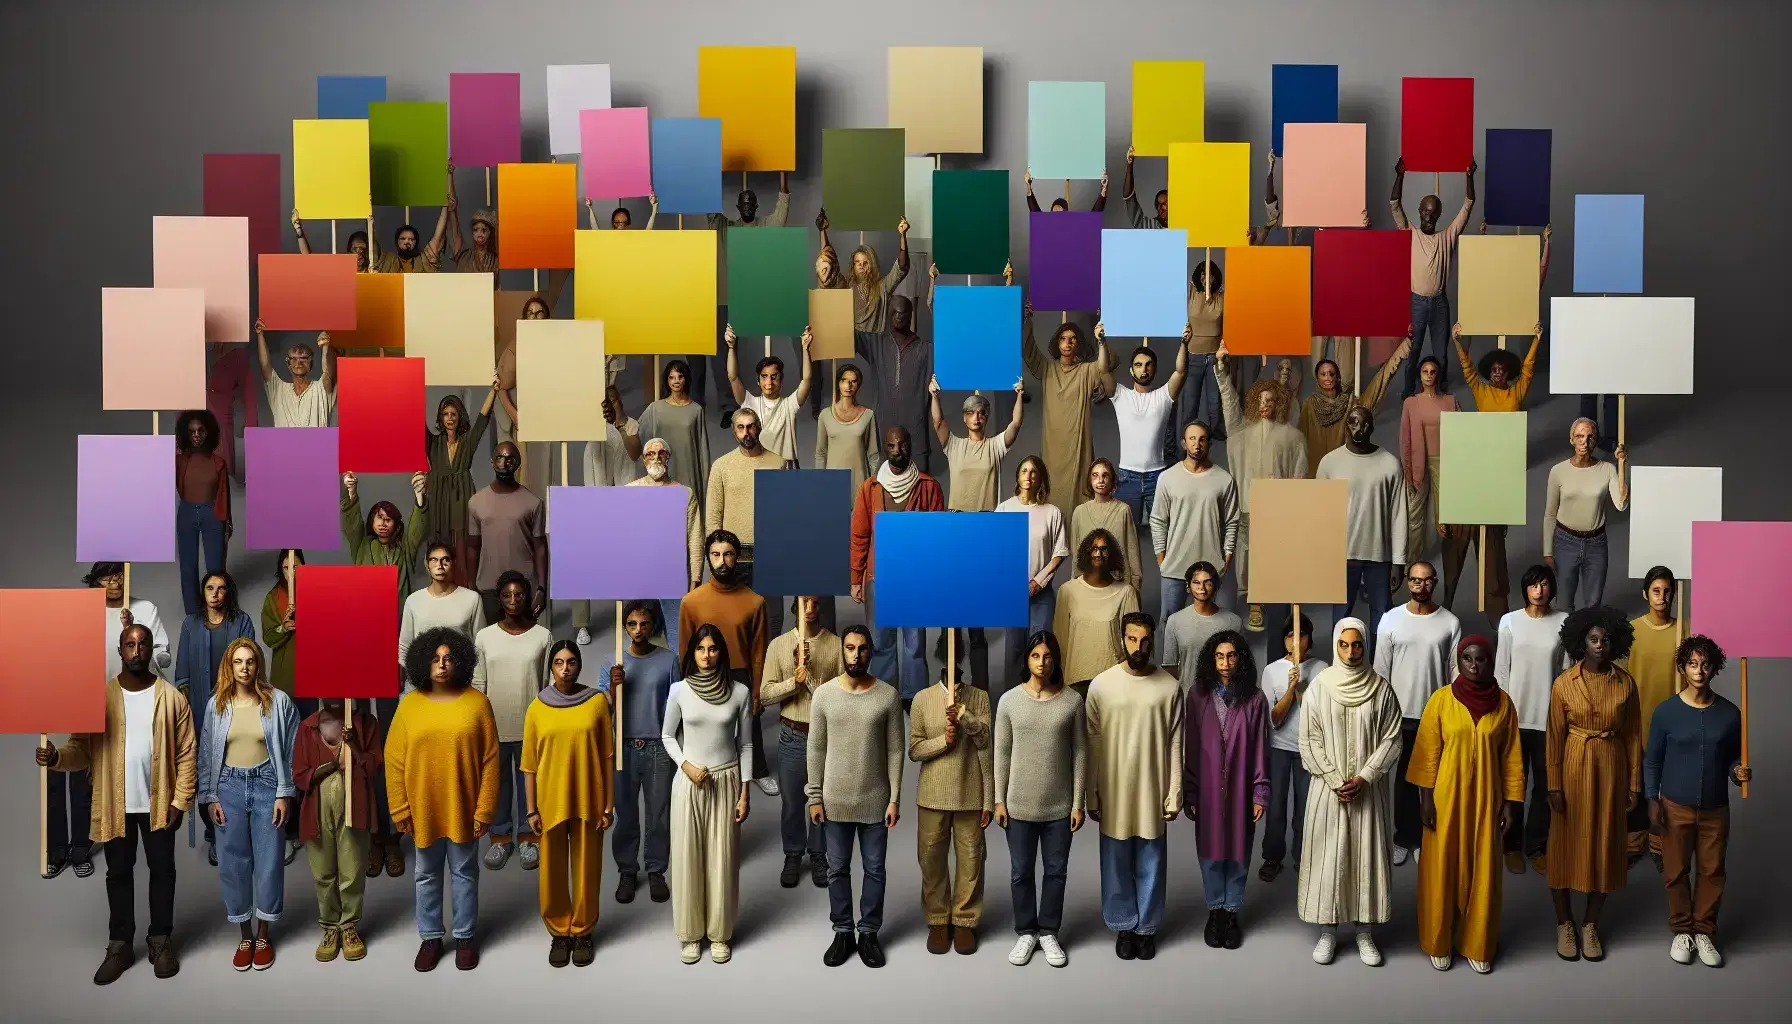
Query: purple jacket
{"points": [[1222, 778]]}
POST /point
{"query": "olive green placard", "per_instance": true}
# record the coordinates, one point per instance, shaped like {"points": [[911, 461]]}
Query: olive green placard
{"points": [[861, 178], [768, 281], [1481, 478], [970, 221], [408, 144]]}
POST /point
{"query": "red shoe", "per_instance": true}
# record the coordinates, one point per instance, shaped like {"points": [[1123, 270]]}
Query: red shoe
{"points": [[428, 955], [466, 954], [264, 954], [245, 955]]}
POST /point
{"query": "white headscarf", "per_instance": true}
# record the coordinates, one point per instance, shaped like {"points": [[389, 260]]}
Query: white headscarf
{"points": [[1350, 686]]}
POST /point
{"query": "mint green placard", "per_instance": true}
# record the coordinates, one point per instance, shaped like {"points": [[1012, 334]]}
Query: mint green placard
{"points": [[408, 147], [1482, 472]]}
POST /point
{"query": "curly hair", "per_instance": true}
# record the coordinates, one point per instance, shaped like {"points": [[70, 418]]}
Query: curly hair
{"points": [[1116, 558], [1581, 621], [1703, 645], [1253, 400], [204, 418], [1500, 357], [1207, 674], [461, 654]]}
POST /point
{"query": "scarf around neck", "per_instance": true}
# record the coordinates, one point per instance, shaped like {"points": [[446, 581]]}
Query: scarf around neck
{"points": [[898, 485], [1479, 698], [1349, 686], [1329, 409], [711, 686], [553, 698]]}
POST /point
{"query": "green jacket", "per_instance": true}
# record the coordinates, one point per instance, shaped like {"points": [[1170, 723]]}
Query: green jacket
{"points": [[366, 549]]}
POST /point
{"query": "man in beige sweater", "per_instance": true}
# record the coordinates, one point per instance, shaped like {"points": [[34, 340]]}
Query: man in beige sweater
{"points": [[797, 663], [954, 800], [1259, 446]]}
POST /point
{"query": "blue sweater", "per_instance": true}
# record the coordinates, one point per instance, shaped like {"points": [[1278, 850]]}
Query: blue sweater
{"points": [[1693, 753]]}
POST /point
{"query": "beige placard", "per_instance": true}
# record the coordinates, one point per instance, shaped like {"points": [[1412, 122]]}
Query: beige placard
{"points": [[1298, 541], [936, 97], [1498, 288], [448, 321], [560, 380], [831, 321]]}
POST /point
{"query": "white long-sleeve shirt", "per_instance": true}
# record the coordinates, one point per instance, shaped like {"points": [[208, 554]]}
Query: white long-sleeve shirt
{"points": [[462, 610], [1045, 537], [1528, 660], [1416, 654], [708, 735]]}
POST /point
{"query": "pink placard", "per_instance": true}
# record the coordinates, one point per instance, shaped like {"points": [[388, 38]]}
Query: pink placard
{"points": [[1742, 582], [152, 348], [615, 160], [485, 119], [1323, 175], [212, 254]]}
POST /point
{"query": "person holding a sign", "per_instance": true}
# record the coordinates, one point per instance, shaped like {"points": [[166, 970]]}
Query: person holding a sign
{"points": [[204, 637], [443, 603], [1062, 205], [336, 841], [202, 486], [1653, 667], [729, 506], [728, 603], [1143, 416], [1432, 251], [1200, 399], [1090, 607], [452, 447], [513, 662], [1694, 754], [1574, 539], [146, 756], [506, 532], [1415, 645], [796, 663], [948, 734], [643, 771], [657, 456], [975, 459], [900, 655], [677, 420], [1594, 760], [1046, 549], [1137, 216], [776, 410], [1225, 775], [1194, 521], [407, 257], [901, 363], [279, 625], [1421, 451], [1105, 510], [1072, 384], [1284, 685], [383, 537], [1134, 719], [300, 402], [1529, 658], [482, 256], [1325, 413], [1376, 516], [1260, 445], [356, 245]]}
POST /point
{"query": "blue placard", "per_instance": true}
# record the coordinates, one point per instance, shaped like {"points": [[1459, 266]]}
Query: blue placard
{"points": [[802, 546], [1608, 244], [976, 337], [1517, 177], [687, 164], [1301, 94], [1144, 282], [939, 569], [345, 97]]}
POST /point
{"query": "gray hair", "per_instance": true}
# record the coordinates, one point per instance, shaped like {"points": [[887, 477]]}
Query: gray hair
{"points": [[743, 411], [1584, 419], [975, 402]]}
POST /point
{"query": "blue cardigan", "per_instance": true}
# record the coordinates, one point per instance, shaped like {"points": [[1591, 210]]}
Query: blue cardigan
{"points": [[194, 669], [279, 727]]}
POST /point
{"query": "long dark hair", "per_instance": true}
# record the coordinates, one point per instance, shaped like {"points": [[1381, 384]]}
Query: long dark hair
{"points": [[687, 665], [397, 521], [231, 608], [1116, 558], [1050, 640], [423, 651], [578, 659], [1244, 680], [666, 375], [205, 418], [466, 424], [280, 565], [840, 375]]}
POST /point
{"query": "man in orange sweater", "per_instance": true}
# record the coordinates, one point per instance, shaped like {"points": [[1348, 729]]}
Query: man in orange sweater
{"points": [[730, 605], [899, 486]]}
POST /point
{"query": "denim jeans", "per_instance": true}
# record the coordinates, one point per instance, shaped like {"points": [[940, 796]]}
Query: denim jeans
{"points": [[251, 850], [1604, 416], [1580, 569], [439, 859], [1138, 489], [1172, 597], [1287, 791], [196, 526], [1530, 834], [1430, 315], [1223, 881], [1040, 610], [1132, 884], [70, 808], [799, 834], [1371, 581], [121, 879], [510, 791], [1039, 911], [1199, 400], [874, 841], [898, 656], [644, 774]]}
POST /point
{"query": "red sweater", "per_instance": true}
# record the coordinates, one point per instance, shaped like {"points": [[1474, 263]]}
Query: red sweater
{"points": [[926, 497], [309, 751]]}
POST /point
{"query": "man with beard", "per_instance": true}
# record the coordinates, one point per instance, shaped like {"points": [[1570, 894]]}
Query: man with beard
{"points": [[1134, 718], [729, 504], [901, 366], [1194, 519], [899, 486], [776, 410], [302, 402], [1260, 446], [747, 204], [1142, 415], [656, 455], [408, 258], [145, 769], [512, 520], [1375, 519], [728, 603]]}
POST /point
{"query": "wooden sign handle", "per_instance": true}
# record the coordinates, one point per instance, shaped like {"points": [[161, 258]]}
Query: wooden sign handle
{"points": [[951, 666], [1744, 722], [768, 346], [1357, 367], [348, 769], [1620, 420], [1502, 341], [1207, 273], [488, 187], [1481, 572], [616, 693], [43, 811]]}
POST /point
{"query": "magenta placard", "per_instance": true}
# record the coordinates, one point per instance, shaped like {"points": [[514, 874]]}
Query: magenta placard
{"points": [[1742, 580], [485, 119], [290, 494], [616, 162]]}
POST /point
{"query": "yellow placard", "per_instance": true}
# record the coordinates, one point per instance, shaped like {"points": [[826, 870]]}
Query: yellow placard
{"points": [[752, 90], [560, 380], [448, 321], [1169, 104], [655, 291], [936, 97], [1210, 192], [1497, 283], [831, 321], [331, 170]]}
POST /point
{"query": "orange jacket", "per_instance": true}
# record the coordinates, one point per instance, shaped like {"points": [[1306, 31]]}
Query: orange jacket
{"points": [[926, 497]]}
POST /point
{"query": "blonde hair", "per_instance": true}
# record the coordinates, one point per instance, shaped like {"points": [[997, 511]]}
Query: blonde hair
{"points": [[871, 278], [225, 689]]}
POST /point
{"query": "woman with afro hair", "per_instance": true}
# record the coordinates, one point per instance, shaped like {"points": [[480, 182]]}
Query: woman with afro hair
{"points": [[1593, 757]]}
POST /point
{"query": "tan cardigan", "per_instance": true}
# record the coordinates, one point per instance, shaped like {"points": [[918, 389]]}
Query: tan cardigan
{"points": [[172, 781]]}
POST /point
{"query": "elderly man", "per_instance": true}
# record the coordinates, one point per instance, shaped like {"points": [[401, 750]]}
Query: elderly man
{"points": [[656, 454], [301, 402]]}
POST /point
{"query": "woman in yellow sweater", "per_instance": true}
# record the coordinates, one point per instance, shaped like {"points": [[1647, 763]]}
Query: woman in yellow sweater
{"points": [[442, 785], [568, 760]]}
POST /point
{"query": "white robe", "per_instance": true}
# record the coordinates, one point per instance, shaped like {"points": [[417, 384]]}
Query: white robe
{"points": [[1346, 864]]}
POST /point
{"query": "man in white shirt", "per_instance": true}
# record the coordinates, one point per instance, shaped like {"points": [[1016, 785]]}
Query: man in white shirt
{"points": [[302, 402], [1143, 415], [442, 603], [1186, 632], [776, 411], [1375, 531], [1415, 649], [1284, 684]]}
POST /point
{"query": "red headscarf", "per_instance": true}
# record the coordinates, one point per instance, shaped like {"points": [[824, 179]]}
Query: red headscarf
{"points": [[1479, 698]]}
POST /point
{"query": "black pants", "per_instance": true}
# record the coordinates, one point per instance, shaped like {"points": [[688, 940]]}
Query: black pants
{"points": [[1406, 795], [71, 816], [121, 878], [1530, 834]]}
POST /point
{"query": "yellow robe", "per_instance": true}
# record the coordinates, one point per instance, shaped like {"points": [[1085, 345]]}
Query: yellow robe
{"points": [[1473, 769]]}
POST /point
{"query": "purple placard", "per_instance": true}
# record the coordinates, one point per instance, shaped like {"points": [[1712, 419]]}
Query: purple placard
{"points": [[290, 489], [485, 119], [124, 498], [617, 543], [1064, 253]]}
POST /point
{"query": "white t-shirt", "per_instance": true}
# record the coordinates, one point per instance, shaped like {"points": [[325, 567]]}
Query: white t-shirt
{"points": [[1529, 658], [777, 423], [314, 408], [1416, 654], [974, 466], [1045, 536], [139, 745], [606, 462], [1142, 417], [1274, 683]]}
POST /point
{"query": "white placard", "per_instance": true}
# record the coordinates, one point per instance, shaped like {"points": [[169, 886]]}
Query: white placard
{"points": [[1664, 503], [1620, 345], [572, 88]]}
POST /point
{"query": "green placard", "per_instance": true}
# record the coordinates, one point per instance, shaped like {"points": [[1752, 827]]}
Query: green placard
{"points": [[408, 146], [970, 221], [861, 178], [768, 281], [1481, 479]]}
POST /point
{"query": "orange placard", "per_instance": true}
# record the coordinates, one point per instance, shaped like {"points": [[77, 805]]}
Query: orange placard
{"points": [[379, 314], [307, 292], [1269, 300], [538, 211], [53, 647]]}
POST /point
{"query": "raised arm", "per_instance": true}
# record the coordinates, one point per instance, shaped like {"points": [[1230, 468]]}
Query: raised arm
{"points": [[326, 358], [451, 216], [298, 230], [801, 394], [1032, 202], [1543, 263], [1029, 351], [1377, 387], [1230, 411], [1394, 200], [1180, 373], [261, 351], [1020, 404], [1134, 215], [821, 225], [940, 431], [734, 385]]}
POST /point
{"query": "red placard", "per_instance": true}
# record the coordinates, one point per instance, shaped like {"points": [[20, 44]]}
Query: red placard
{"points": [[307, 293], [1437, 124], [379, 404], [53, 647], [346, 631], [1362, 282], [247, 185]]}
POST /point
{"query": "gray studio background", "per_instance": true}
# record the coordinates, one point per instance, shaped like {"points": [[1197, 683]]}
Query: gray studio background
{"points": [[109, 107]]}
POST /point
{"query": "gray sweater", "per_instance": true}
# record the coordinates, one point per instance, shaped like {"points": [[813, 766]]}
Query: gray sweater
{"points": [[1375, 528], [855, 751], [1042, 752], [1194, 518]]}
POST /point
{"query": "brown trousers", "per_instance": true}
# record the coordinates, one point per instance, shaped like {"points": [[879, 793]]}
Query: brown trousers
{"points": [[1694, 832], [950, 895]]}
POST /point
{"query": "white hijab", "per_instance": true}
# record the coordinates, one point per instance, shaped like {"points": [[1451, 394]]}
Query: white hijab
{"points": [[1350, 686]]}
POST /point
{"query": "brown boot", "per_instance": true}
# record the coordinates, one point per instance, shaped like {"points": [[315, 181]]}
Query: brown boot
{"points": [[376, 855], [964, 939], [939, 939], [353, 946], [119, 958], [394, 856], [162, 956], [329, 946], [1515, 862]]}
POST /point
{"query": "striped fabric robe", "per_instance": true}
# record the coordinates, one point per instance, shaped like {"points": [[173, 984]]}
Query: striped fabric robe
{"points": [[1346, 868]]}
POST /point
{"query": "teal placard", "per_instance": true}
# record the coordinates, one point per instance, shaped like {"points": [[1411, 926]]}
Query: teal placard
{"points": [[408, 147], [861, 178], [1481, 476], [768, 281], [970, 221], [1067, 125]]}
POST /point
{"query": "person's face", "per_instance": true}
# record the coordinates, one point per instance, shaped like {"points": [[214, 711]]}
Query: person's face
{"points": [[215, 592], [1697, 670], [1225, 660], [407, 242], [1194, 442], [1428, 375], [383, 526], [722, 558], [505, 461], [1660, 595], [1202, 587], [359, 248], [1099, 555], [897, 448], [1065, 344], [482, 234], [1306, 644], [514, 599], [1328, 378], [1581, 439], [1496, 374], [1138, 646], [771, 382], [135, 648], [811, 610], [289, 565], [976, 418], [1266, 405], [1475, 663], [440, 564], [298, 362], [565, 667], [855, 651], [450, 414], [243, 663], [1059, 206], [196, 433], [638, 626], [746, 432], [902, 314], [658, 461], [1358, 424], [535, 309], [747, 204], [620, 220], [1039, 662], [1421, 580], [1429, 210], [1599, 647], [1101, 481], [613, 403], [861, 264], [677, 382], [1163, 207], [114, 585], [1537, 595], [441, 668], [1350, 648], [849, 385], [1028, 477], [1144, 369]]}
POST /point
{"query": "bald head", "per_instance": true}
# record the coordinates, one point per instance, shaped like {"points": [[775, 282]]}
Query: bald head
{"points": [[897, 447]]}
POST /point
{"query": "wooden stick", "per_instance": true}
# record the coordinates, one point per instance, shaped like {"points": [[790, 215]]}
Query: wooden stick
{"points": [[348, 770], [332, 236], [1744, 722], [488, 186], [1437, 182], [563, 469], [1207, 274], [1356, 367], [535, 281], [155, 422], [768, 346], [1502, 341], [615, 694], [407, 215], [656, 378], [1481, 573], [1680, 609], [743, 181], [1620, 421], [43, 811], [951, 666], [1067, 192]]}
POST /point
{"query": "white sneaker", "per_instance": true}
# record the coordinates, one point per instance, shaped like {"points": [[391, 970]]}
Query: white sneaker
{"points": [[1326, 948], [1479, 966], [1681, 950], [1708, 954], [1023, 950], [720, 952], [1365, 948], [691, 952], [583, 639], [1054, 953], [1401, 854], [530, 855], [767, 785], [1442, 963]]}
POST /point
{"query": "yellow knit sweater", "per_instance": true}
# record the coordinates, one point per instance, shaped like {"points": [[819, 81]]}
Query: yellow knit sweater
{"points": [[442, 765], [571, 754]]}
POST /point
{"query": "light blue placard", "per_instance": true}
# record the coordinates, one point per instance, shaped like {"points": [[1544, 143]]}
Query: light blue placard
{"points": [[987, 582], [687, 164], [1067, 129], [1144, 282], [976, 337], [1608, 244], [345, 97]]}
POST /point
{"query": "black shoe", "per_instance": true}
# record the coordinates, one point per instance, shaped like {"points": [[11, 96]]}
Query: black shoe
{"points": [[626, 883], [1214, 932], [1147, 946], [83, 868], [1126, 946], [1231, 932], [656, 888], [119, 958], [559, 951], [818, 871], [211, 851], [1270, 871], [162, 956], [56, 864], [841, 950], [793, 870], [871, 951]]}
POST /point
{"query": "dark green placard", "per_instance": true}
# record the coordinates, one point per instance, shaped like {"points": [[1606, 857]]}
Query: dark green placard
{"points": [[861, 178], [970, 221], [768, 281], [408, 150]]}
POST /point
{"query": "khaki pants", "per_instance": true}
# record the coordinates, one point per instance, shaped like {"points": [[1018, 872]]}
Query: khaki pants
{"points": [[572, 872], [1694, 832], [705, 856], [1421, 507], [934, 832], [338, 859]]}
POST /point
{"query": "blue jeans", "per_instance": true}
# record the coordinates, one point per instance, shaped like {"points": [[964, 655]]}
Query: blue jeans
{"points": [[1038, 912], [1580, 568], [1287, 791], [1132, 884], [1223, 882], [251, 858], [1172, 598], [873, 840], [800, 835], [1138, 488], [196, 525], [1430, 315], [1199, 400], [644, 773], [898, 656], [1040, 609], [1605, 418], [461, 860], [1371, 580], [510, 789]]}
